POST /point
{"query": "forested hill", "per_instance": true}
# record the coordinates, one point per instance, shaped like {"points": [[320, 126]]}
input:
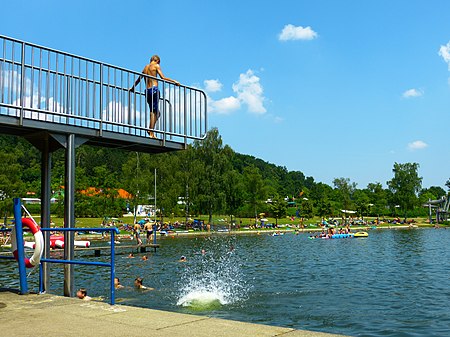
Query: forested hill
{"points": [[209, 177]]}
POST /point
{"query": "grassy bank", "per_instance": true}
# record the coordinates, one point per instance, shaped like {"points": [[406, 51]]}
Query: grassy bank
{"points": [[223, 222]]}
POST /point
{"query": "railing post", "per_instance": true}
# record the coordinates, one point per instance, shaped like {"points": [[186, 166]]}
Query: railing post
{"points": [[101, 99], [185, 119], [20, 250], [22, 84]]}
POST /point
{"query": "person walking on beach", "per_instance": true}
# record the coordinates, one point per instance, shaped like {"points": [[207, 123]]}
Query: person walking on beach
{"points": [[153, 69]]}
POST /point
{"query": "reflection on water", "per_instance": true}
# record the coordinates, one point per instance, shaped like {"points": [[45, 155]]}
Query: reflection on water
{"points": [[394, 283]]}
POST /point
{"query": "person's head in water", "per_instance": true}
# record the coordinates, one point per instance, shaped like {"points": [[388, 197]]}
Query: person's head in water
{"points": [[82, 293], [155, 58], [138, 282], [117, 284]]}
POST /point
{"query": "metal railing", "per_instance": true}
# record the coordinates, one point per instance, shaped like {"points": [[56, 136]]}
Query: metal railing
{"points": [[21, 254], [45, 84], [110, 264]]}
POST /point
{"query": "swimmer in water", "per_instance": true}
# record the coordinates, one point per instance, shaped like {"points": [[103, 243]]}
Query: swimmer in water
{"points": [[182, 259], [82, 294], [138, 284], [117, 284]]}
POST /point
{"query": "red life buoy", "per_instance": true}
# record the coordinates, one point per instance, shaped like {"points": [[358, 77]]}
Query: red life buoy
{"points": [[38, 241]]}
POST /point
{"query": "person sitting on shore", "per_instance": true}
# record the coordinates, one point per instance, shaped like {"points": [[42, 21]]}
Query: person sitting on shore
{"points": [[138, 284], [82, 294]]}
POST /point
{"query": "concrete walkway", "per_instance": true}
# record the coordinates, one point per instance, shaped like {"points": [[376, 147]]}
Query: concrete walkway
{"points": [[48, 315]]}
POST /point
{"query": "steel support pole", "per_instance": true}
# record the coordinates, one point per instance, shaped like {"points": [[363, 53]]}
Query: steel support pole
{"points": [[46, 161], [113, 268], [69, 214], [20, 249]]}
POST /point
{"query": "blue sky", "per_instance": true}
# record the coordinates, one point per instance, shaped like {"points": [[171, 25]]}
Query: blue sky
{"points": [[330, 88]]}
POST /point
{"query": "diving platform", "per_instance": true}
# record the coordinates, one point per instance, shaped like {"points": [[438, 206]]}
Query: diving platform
{"points": [[44, 91], [57, 100]]}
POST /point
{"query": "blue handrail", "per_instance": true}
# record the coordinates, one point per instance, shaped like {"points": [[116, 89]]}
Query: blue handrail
{"points": [[21, 253], [111, 264]]}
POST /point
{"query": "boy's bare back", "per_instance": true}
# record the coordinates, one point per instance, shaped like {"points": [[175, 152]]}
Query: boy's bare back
{"points": [[152, 69]]}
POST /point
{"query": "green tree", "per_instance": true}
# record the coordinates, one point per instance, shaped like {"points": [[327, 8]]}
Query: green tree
{"points": [[11, 185], [362, 202], [306, 208], [255, 190], [321, 195], [405, 185], [278, 208], [377, 198], [234, 192], [324, 207], [437, 191], [210, 153], [345, 190]]}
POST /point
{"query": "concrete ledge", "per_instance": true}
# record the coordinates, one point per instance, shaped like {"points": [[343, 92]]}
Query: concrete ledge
{"points": [[49, 315]]}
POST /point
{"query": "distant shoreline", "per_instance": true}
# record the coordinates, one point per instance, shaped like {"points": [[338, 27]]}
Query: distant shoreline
{"points": [[127, 237], [265, 231]]}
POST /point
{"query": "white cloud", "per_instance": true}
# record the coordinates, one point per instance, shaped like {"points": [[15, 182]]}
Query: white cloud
{"points": [[444, 51], [417, 145], [224, 105], [291, 32], [250, 92], [412, 93], [213, 85]]}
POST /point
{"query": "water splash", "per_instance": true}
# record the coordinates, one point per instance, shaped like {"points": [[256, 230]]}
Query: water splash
{"points": [[214, 279]]}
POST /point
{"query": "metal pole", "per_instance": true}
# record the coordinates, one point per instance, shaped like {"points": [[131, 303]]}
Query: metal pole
{"points": [[46, 161], [113, 271], [154, 198], [69, 214], [20, 250], [154, 226], [41, 281]]}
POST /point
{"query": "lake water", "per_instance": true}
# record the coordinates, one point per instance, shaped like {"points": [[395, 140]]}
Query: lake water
{"points": [[394, 283]]}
